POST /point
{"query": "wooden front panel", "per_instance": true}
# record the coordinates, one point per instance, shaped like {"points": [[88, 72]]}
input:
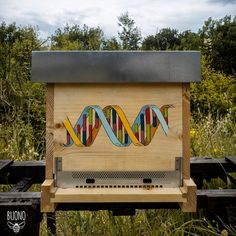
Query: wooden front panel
{"points": [[70, 101]]}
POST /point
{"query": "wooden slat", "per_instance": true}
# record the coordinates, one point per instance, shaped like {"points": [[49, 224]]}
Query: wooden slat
{"points": [[206, 167], [22, 185], [118, 195], [26, 169], [33, 197], [4, 164], [217, 193], [186, 130], [190, 189], [231, 159], [49, 130], [46, 195]]}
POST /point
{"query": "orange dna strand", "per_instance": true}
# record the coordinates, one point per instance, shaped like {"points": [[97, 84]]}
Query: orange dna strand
{"points": [[116, 125]]}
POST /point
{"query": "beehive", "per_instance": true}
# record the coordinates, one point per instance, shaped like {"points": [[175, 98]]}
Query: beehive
{"points": [[117, 126]]}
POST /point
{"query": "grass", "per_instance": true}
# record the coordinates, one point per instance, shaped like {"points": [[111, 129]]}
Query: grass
{"points": [[145, 222], [213, 138]]}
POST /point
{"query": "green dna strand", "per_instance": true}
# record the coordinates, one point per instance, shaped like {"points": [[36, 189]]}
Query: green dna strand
{"points": [[116, 125]]}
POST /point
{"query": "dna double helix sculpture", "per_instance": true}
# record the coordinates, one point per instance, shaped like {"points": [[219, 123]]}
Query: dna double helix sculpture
{"points": [[116, 125]]}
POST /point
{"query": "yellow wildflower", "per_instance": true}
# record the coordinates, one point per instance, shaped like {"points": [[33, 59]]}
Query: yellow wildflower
{"points": [[193, 133], [216, 150]]}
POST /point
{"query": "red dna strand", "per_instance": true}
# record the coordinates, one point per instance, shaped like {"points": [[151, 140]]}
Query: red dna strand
{"points": [[116, 125]]}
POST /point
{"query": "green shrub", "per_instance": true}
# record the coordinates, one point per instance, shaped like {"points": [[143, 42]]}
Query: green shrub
{"points": [[216, 94]]}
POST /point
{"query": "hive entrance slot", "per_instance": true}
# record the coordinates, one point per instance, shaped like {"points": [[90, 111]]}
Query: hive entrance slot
{"points": [[147, 181], [90, 181]]}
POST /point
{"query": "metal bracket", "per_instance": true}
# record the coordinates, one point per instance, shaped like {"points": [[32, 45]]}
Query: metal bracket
{"points": [[58, 164]]}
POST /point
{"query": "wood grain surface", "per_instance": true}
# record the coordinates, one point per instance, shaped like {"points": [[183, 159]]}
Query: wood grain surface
{"points": [[70, 100]]}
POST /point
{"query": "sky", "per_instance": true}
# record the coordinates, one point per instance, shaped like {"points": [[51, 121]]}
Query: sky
{"points": [[149, 15]]}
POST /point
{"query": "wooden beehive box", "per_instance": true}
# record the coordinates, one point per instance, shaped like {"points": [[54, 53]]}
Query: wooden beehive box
{"points": [[117, 126]]}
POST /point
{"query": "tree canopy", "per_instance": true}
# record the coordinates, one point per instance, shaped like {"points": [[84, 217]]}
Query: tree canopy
{"points": [[130, 35], [218, 43], [77, 38], [166, 39], [21, 102]]}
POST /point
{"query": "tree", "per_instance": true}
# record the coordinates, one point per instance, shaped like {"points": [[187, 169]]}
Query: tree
{"points": [[111, 44], [219, 44], [150, 43], [77, 38], [15, 62], [21, 102], [166, 39], [189, 41], [130, 36]]}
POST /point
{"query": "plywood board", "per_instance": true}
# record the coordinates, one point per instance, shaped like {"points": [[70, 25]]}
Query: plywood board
{"points": [[70, 100], [186, 131], [49, 130]]}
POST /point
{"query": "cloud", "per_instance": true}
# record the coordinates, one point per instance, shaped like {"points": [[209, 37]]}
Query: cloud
{"points": [[149, 15], [224, 2]]}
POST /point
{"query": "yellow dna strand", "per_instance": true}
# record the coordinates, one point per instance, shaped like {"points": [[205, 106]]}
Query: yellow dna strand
{"points": [[116, 125]]}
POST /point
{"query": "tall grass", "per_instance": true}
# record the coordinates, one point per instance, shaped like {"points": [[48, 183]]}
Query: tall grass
{"points": [[145, 222], [18, 142], [213, 137]]}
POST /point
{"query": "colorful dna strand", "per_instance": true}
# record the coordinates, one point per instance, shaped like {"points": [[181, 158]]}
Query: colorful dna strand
{"points": [[116, 125]]}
